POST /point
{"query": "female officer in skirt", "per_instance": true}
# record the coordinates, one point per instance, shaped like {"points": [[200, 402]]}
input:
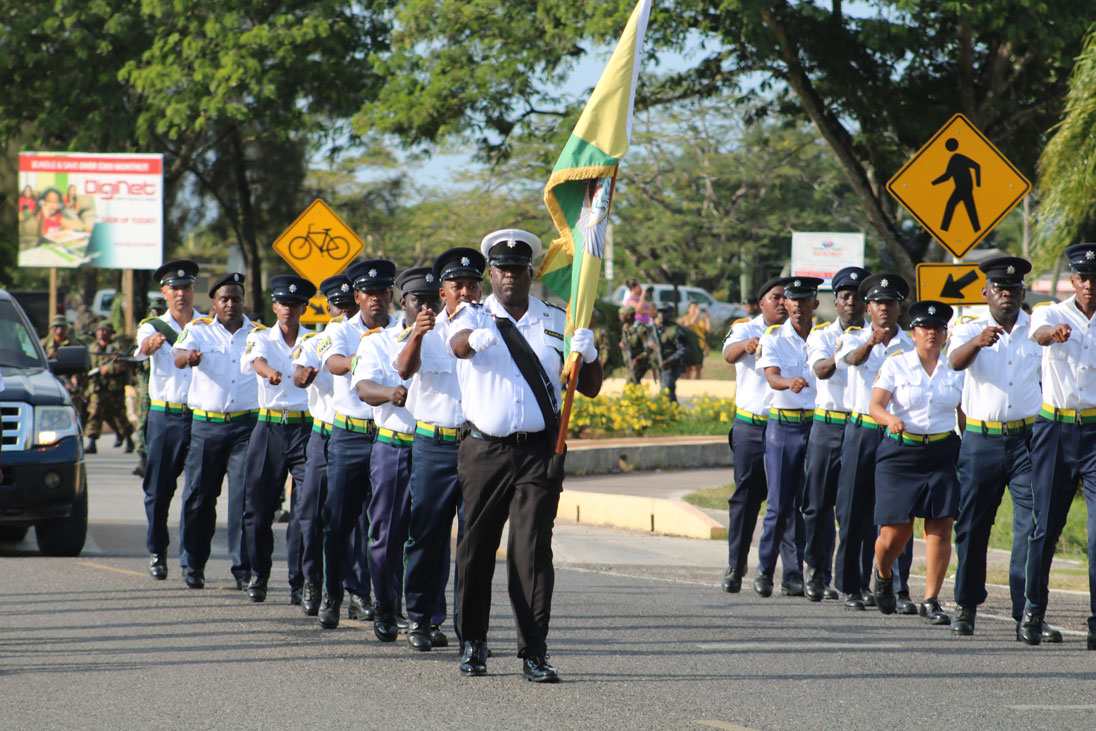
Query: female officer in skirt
{"points": [[916, 398]]}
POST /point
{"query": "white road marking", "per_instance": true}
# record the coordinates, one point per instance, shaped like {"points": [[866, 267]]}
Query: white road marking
{"points": [[797, 646]]}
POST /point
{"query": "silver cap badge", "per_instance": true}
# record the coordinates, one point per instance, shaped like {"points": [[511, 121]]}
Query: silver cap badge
{"points": [[465, 261], [932, 310], [292, 288], [372, 272], [884, 283]]}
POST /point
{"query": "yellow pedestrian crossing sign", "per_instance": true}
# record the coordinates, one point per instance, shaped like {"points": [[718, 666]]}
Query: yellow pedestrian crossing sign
{"points": [[958, 186], [318, 244]]}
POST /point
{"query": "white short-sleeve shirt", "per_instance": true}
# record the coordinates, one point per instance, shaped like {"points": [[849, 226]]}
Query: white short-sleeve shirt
{"points": [[1069, 368], [434, 395], [782, 346], [343, 338], [373, 362], [217, 384], [1002, 383], [268, 343], [861, 377], [165, 381], [752, 392], [926, 404], [320, 392], [822, 345]]}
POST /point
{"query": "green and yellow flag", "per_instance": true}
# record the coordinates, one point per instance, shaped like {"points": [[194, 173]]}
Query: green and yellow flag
{"points": [[580, 190]]}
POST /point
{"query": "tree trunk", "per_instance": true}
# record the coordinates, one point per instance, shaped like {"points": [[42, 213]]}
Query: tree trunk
{"points": [[248, 243]]}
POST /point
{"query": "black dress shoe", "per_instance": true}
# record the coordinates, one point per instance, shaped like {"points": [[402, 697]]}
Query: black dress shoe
{"points": [[830, 593], [815, 588], [157, 567], [473, 661], [384, 622], [418, 636], [964, 621], [310, 599], [402, 622], [194, 579], [437, 637], [792, 588], [904, 604], [537, 670], [732, 581], [854, 601], [763, 585], [1051, 635], [360, 608], [329, 612], [242, 582], [884, 593], [869, 598], [1030, 629], [931, 610], [486, 647], [1092, 640], [256, 589], [295, 594]]}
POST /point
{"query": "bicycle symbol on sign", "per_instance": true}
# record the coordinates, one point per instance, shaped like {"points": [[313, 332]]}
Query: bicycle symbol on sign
{"points": [[336, 247]]}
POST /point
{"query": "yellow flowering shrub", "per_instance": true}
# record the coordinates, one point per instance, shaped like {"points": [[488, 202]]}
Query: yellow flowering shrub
{"points": [[710, 408], [636, 412]]}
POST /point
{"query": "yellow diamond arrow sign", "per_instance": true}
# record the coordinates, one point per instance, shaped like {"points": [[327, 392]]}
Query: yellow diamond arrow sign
{"points": [[318, 244], [959, 186]]}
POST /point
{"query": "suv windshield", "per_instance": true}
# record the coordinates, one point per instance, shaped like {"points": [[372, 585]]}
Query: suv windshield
{"points": [[18, 346]]}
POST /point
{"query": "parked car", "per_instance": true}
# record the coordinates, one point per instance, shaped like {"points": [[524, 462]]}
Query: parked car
{"points": [[104, 299], [41, 450], [720, 312]]}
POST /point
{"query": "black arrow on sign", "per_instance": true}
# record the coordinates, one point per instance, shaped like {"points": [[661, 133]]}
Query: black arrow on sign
{"points": [[953, 288]]}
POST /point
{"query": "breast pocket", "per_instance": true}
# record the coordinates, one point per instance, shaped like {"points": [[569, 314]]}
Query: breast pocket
{"points": [[910, 394]]}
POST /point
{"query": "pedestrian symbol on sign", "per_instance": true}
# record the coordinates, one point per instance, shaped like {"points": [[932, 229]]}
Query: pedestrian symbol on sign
{"points": [[959, 172]]}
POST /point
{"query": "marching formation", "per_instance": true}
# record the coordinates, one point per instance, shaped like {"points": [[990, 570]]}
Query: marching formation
{"points": [[858, 422], [391, 425]]}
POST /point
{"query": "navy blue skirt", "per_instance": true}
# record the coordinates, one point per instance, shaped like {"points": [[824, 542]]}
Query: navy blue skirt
{"points": [[916, 480]]}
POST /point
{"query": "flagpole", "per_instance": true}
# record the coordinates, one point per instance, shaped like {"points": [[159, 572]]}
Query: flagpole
{"points": [[565, 415]]}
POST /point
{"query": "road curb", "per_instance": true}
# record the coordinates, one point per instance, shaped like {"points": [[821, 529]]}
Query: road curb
{"points": [[661, 516], [599, 457]]}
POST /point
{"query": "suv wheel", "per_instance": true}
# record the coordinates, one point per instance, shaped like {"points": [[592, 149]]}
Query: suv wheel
{"points": [[13, 533], [65, 536]]}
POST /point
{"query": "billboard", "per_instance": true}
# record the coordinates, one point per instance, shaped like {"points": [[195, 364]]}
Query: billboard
{"points": [[823, 254], [98, 210]]}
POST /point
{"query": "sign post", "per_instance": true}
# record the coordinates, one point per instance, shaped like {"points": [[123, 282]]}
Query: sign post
{"points": [[318, 245]]}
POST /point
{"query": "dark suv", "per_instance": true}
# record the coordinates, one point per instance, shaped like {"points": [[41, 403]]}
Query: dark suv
{"points": [[44, 483]]}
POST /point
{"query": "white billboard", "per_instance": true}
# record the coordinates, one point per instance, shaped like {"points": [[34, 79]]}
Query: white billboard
{"points": [[824, 253], [99, 210]]}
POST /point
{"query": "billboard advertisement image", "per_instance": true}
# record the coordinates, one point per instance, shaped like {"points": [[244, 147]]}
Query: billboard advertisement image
{"points": [[98, 210], [823, 254]]}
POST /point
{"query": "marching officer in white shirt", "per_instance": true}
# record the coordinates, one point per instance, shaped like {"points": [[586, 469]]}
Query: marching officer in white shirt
{"points": [[1001, 398], [511, 356], [862, 352], [831, 414], [277, 445], [782, 358], [169, 417], [309, 498], [916, 400], [379, 384], [747, 434], [1063, 440], [223, 402], [434, 400], [350, 446]]}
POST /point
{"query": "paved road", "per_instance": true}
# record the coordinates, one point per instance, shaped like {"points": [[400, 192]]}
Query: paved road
{"points": [[641, 634]]}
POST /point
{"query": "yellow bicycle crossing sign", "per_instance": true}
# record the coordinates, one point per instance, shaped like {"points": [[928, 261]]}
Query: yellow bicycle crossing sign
{"points": [[318, 244]]}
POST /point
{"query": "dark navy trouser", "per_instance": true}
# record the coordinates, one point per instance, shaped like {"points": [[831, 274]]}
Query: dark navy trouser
{"points": [[1061, 454], [308, 500], [389, 514], [987, 463], [274, 451], [782, 527], [168, 438], [216, 450], [748, 447], [823, 465], [435, 498], [348, 491]]}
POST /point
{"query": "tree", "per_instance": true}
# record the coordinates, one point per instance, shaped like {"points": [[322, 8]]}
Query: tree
{"points": [[1067, 167], [875, 83]]}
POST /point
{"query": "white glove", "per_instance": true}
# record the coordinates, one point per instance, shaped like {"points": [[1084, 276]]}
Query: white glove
{"points": [[582, 342], [482, 339]]}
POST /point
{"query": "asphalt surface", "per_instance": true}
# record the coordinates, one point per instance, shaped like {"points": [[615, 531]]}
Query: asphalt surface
{"points": [[641, 634]]}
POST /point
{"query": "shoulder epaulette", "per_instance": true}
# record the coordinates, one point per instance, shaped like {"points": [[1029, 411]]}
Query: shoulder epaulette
{"points": [[202, 320], [853, 328], [897, 352], [309, 335], [147, 320], [771, 328], [557, 307], [403, 335], [370, 332], [965, 318], [340, 318], [258, 327], [741, 319], [1041, 304], [821, 325]]}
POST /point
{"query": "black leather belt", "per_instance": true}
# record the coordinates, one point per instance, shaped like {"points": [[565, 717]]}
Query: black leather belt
{"points": [[521, 437]]}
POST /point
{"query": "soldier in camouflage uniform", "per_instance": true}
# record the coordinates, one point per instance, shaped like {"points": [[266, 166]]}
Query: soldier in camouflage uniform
{"points": [[157, 307], [635, 344], [107, 389], [60, 336]]}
